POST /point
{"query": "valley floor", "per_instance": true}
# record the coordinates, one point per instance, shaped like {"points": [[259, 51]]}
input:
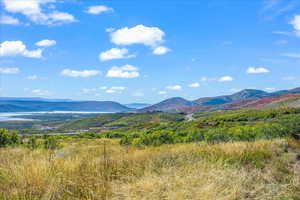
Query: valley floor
{"points": [[102, 169]]}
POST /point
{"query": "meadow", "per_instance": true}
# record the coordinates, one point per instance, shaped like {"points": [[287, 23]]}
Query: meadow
{"points": [[103, 169], [223, 155]]}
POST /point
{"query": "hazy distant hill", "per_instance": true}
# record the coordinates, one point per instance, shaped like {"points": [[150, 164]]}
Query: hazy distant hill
{"points": [[248, 98], [32, 106], [137, 105], [169, 105]]}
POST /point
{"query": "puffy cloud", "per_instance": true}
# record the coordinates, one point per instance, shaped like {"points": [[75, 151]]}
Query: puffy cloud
{"points": [[161, 50], [296, 24], [96, 10], [12, 70], [115, 53], [82, 74], [257, 70], [32, 77], [32, 10], [140, 34], [61, 17], [126, 71], [5, 19], [46, 43], [18, 48], [225, 79], [195, 85], [174, 87]]}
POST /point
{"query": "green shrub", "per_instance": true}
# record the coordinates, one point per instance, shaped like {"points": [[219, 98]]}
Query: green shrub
{"points": [[9, 138], [51, 143], [32, 143]]}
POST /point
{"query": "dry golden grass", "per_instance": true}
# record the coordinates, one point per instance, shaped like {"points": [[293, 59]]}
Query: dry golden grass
{"points": [[94, 169]]}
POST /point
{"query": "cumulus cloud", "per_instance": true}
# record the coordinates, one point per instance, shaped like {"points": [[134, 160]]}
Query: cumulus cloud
{"points": [[18, 48], [194, 85], [115, 53], [5, 19], [225, 79], [96, 10], [32, 9], [46, 43], [174, 87], [296, 24], [126, 71], [161, 50], [82, 74], [12, 70], [257, 70], [140, 34]]}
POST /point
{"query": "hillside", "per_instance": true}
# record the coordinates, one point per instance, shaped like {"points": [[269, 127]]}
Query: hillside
{"points": [[169, 105], [248, 98]]}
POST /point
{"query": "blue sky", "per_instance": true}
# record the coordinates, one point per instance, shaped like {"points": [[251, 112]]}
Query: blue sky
{"points": [[147, 51]]}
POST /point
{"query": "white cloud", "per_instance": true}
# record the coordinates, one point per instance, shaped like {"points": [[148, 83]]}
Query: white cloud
{"points": [[5, 19], [174, 87], [296, 24], [39, 92], [140, 34], [126, 71], [82, 74], [32, 9], [115, 53], [257, 70], [18, 48], [162, 92], [161, 50], [225, 79], [12, 70], [95, 10], [46, 43], [110, 91], [115, 89], [118, 88], [194, 85], [291, 55], [32, 77], [61, 17]]}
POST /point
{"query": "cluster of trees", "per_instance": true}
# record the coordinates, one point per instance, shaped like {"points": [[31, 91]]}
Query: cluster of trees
{"points": [[12, 138], [235, 126]]}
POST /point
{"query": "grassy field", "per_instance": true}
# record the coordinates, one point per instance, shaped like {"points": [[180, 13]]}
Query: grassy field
{"points": [[92, 169]]}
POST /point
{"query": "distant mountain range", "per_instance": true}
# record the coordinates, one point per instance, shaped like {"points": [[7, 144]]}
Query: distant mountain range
{"points": [[137, 105], [248, 99], [38, 106]]}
